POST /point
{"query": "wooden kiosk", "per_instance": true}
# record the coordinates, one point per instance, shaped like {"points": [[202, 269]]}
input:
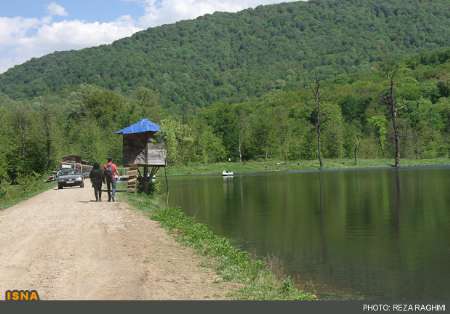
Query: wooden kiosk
{"points": [[140, 150]]}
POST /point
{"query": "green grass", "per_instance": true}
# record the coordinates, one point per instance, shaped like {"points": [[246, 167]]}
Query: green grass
{"points": [[276, 165], [257, 281], [13, 194]]}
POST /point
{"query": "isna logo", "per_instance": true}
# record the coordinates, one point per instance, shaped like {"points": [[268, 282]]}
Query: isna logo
{"points": [[22, 295]]}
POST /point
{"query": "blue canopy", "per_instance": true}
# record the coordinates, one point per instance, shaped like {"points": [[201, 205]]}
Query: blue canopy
{"points": [[142, 126]]}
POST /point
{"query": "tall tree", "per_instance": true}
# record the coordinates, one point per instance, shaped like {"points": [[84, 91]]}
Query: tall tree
{"points": [[243, 130], [47, 126], [149, 103], [316, 93], [390, 69], [379, 124]]}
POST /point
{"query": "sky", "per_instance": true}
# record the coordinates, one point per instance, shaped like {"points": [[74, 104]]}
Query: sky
{"points": [[33, 28]]}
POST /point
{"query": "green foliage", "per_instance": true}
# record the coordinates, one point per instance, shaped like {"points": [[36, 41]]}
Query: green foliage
{"points": [[91, 142], [178, 139], [379, 124], [332, 125], [230, 57], [24, 145], [3, 148], [26, 188], [426, 125], [35, 134], [147, 104], [276, 126], [208, 147], [352, 141]]}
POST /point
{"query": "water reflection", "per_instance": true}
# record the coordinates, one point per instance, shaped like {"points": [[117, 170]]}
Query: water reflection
{"points": [[379, 233]]}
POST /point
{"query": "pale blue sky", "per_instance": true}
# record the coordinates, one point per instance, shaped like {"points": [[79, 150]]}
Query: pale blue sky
{"points": [[33, 28], [92, 10]]}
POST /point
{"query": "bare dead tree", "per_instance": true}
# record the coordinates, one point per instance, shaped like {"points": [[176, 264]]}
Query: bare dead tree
{"points": [[356, 148], [391, 102], [316, 93], [240, 146]]}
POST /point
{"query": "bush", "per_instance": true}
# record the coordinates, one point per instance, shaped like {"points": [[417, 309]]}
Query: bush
{"points": [[3, 189], [24, 188]]}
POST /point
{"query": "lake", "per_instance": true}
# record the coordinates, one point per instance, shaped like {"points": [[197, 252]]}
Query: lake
{"points": [[373, 233]]}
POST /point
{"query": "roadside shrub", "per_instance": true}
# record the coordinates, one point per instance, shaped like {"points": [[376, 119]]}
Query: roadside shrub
{"points": [[3, 189], [24, 187], [30, 182]]}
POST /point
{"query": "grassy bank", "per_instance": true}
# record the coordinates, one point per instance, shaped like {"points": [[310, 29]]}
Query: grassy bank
{"points": [[257, 280], [13, 194], [275, 165]]}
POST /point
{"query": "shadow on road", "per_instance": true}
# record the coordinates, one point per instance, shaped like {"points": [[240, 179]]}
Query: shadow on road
{"points": [[66, 188]]}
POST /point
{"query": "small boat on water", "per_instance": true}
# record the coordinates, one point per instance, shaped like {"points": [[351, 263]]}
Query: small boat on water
{"points": [[226, 173]]}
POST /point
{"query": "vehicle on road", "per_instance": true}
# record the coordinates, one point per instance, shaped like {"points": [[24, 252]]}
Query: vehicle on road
{"points": [[70, 177]]}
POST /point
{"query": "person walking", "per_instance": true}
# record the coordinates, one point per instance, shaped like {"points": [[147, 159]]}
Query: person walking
{"points": [[111, 175], [97, 179]]}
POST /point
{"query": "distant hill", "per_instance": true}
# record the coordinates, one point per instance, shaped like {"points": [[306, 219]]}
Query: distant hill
{"points": [[229, 57]]}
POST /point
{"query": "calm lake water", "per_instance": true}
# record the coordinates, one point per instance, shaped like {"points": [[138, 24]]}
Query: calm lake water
{"points": [[369, 233]]}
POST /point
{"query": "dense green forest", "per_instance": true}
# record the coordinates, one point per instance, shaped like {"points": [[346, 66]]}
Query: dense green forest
{"points": [[230, 57], [280, 125]]}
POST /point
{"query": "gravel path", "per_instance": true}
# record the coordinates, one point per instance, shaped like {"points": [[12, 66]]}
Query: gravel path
{"points": [[67, 247]]}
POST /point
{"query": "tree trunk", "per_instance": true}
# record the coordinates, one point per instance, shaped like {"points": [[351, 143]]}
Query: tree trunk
{"points": [[243, 131], [316, 91], [394, 114], [355, 152], [240, 149], [416, 144], [380, 142], [48, 140], [22, 129]]}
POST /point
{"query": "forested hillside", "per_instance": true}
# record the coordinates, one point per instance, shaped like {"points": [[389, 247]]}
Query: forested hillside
{"points": [[278, 126], [229, 57]]}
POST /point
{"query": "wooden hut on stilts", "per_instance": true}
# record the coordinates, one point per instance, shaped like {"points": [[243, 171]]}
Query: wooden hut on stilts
{"points": [[141, 151]]}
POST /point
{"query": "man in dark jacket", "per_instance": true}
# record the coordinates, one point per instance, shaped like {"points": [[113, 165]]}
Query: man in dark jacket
{"points": [[97, 178]]}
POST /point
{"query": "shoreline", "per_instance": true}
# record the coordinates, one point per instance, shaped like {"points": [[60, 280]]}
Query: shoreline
{"points": [[367, 165], [257, 280], [300, 166]]}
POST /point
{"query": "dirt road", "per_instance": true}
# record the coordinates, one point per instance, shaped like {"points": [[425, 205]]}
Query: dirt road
{"points": [[67, 247]]}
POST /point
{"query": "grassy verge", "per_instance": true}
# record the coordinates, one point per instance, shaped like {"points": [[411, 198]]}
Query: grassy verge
{"points": [[275, 165], [258, 281], [13, 194]]}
